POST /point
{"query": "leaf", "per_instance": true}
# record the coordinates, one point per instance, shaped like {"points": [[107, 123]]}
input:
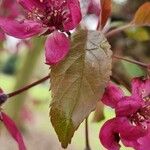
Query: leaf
{"points": [[78, 82], [140, 34], [142, 16], [106, 11]]}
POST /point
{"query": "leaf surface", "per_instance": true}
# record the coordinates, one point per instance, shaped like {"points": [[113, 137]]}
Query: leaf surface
{"points": [[78, 82], [142, 16]]}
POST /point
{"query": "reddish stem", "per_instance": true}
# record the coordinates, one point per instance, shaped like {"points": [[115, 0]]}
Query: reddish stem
{"points": [[117, 30], [132, 61], [27, 87]]}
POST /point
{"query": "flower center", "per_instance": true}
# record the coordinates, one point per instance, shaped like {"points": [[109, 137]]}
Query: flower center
{"points": [[142, 116], [54, 15]]}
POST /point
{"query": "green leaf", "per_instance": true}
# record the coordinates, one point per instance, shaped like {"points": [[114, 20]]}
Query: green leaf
{"points": [[140, 34], [78, 82]]}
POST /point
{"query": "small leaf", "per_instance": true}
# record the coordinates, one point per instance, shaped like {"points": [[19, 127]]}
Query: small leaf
{"points": [[78, 82], [106, 11], [142, 16]]}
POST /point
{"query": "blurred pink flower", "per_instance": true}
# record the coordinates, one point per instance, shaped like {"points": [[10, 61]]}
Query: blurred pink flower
{"points": [[94, 7], [2, 35], [131, 124], [46, 17]]}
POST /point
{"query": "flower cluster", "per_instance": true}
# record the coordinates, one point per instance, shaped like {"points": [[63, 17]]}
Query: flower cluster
{"points": [[132, 122], [46, 17]]}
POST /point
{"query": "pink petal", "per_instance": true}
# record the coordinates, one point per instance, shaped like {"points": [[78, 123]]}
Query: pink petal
{"points": [[127, 106], [15, 133], [23, 29], [30, 4], [128, 131], [2, 36], [94, 7], [57, 47], [109, 135], [10, 8], [140, 88], [128, 143], [121, 128], [75, 12], [112, 95], [144, 142]]}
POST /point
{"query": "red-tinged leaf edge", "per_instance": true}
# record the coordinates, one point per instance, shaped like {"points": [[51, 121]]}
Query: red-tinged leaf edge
{"points": [[13, 130], [106, 11]]}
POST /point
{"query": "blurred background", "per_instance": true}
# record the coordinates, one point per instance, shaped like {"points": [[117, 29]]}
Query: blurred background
{"points": [[22, 62]]}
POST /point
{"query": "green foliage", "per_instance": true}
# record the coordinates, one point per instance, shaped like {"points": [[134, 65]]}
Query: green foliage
{"points": [[78, 82], [139, 34]]}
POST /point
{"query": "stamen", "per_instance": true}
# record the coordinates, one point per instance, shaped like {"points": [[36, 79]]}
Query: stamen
{"points": [[146, 98], [55, 14], [142, 116]]}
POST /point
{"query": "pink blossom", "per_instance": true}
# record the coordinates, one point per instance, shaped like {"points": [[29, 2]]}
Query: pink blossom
{"points": [[131, 124], [10, 9], [94, 7], [46, 17]]}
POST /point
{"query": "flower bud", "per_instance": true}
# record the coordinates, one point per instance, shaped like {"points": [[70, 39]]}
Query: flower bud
{"points": [[3, 98]]}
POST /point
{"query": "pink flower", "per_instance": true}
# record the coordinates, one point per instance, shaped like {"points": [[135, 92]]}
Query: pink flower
{"points": [[94, 7], [8, 8], [2, 35], [46, 17], [10, 125], [131, 124]]}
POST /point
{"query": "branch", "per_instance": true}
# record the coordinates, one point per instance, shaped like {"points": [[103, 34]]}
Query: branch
{"points": [[117, 30], [147, 66], [27, 87]]}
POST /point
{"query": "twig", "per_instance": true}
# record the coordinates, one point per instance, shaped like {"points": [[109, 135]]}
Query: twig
{"points": [[27, 87], [117, 30], [87, 135], [132, 61]]}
